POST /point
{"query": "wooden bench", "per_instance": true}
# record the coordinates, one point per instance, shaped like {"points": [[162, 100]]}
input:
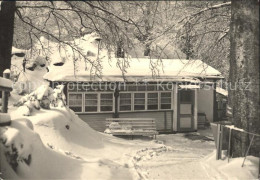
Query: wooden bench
{"points": [[133, 126]]}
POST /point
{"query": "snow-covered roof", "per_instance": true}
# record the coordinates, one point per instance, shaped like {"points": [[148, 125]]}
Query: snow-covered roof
{"points": [[189, 86], [137, 69], [222, 91]]}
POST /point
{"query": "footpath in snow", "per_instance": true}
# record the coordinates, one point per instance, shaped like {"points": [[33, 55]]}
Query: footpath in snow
{"points": [[191, 156]]}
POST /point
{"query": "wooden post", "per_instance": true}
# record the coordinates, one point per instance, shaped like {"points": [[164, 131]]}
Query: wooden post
{"points": [[5, 94], [5, 119], [259, 167], [218, 141], [215, 105], [229, 144], [221, 141], [248, 150]]}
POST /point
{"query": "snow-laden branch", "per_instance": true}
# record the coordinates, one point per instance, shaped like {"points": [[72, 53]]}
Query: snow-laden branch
{"points": [[217, 6]]}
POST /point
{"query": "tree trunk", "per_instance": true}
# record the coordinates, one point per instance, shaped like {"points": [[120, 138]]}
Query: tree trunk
{"points": [[244, 70], [6, 34], [120, 49]]}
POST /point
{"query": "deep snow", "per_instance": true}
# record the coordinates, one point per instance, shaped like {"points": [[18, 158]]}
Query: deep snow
{"points": [[63, 146]]}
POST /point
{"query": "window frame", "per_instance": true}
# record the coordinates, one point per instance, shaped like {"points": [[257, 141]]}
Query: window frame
{"points": [[158, 101], [84, 100], [131, 104], [146, 101], [133, 100], [171, 98], [81, 100], [99, 102], [118, 104]]}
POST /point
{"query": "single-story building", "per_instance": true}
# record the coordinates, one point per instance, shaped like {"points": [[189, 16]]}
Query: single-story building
{"points": [[173, 91]]}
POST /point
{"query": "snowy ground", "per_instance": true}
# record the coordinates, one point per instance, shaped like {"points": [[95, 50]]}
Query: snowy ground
{"points": [[55, 144]]}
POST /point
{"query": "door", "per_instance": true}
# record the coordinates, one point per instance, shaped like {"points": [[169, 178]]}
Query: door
{"points": [[185, 118]]}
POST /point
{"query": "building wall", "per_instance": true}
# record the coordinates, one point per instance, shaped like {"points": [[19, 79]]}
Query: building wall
{"points": [[163, 119], [98, 121], [205, 102]]}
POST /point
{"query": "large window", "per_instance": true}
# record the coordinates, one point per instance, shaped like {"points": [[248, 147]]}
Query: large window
{"points": [[106, 102], [75, 102], [125, 101], [91, 102], [135, 98], [166, 99], [139, 101], [152, 101]]}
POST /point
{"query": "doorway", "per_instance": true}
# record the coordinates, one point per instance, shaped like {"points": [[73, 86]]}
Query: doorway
{"points": [[185, 120]]}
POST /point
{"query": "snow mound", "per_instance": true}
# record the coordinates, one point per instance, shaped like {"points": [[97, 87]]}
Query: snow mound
{"points": [[23, 155], [234, 169], [68, 142]]}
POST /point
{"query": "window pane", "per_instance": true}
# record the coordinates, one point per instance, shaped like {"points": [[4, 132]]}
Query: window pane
{"points": [[139, 95], [131, 88], [125, 101], [155, 106], [91, 102], [139, 107], [90, 96], [106, 108], [165, 87], [75, 102], [165, 106], [185, 96], [166, 94], [152, 95], [151, 88], [106, 96], [165, 100], [141, 88], [76, 109], [152, 101], [107, 102], [75, 96], [125, 95], [125, 108], [139, 101], [91, 108]]}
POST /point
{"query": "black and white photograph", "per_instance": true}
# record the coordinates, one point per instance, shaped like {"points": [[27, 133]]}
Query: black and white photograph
{"points": [[138, 90]]}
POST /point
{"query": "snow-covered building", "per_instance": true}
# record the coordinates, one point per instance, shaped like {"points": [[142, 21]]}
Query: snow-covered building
{"points": [[172, 91]]}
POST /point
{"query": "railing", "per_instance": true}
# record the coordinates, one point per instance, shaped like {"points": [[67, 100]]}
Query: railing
{"points": [[5, 87], [224, 135]]}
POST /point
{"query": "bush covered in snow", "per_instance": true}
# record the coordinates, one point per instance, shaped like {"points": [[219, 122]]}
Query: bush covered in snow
{"points": [[15, 144], [43, 97]]}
